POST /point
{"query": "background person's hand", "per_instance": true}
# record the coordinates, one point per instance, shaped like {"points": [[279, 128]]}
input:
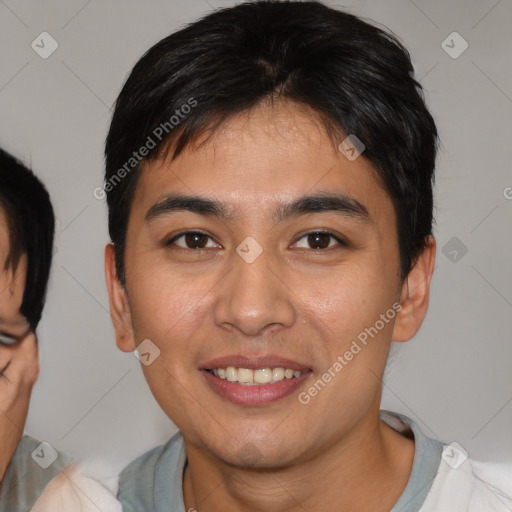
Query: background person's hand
{"points": [[19, 369]]}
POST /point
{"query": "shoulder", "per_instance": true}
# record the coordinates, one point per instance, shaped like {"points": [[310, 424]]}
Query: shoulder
{"points": [[463, 484], [33, 466], [32, 455], [153, 472], [80, 487]]}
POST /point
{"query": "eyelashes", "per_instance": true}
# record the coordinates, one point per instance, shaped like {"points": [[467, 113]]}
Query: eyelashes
{"points": [[197, 237], [188, 236], [319, 234], [7, 340]]}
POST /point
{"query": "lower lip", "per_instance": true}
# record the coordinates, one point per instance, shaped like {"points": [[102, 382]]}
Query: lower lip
{"points": [[260, 394]]}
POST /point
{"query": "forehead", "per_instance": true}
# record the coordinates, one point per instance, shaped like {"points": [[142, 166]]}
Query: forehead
{"points": [[270, 154]]}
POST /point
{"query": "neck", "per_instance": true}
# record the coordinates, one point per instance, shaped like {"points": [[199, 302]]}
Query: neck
{"points": [[366, 470]]}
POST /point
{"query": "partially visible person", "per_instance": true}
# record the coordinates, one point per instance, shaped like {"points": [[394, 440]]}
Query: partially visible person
{"points": [[27, 226], [26, 242]]}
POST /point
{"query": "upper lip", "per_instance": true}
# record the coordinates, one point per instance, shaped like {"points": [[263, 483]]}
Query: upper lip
{"points": [[253, 363]]}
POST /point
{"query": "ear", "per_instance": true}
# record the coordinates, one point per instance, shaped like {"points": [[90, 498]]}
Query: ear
{"points": [[415, 294], [119, 306]]}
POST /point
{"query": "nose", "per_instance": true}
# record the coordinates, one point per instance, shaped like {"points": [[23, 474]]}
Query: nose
{"points": [[254, 296]]}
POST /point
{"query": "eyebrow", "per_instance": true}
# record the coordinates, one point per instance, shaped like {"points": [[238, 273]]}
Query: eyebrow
{"points": [[321, 202]]}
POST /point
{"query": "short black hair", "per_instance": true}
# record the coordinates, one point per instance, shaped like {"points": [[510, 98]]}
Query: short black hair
{"points": [[31, 224], [356, 76]]}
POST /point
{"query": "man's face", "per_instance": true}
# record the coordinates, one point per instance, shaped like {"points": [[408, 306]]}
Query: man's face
{"points": [[299, 304]]}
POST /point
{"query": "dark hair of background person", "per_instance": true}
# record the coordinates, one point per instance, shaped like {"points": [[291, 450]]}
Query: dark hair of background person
{"points": [[31, 224], [358, 78]]}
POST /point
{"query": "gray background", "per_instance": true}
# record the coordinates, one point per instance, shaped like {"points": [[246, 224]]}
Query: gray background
{"points": [[454, 379]]}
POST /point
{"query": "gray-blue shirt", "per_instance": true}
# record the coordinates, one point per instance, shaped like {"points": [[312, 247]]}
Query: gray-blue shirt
{"points": [[154, 481], [31, 469]]}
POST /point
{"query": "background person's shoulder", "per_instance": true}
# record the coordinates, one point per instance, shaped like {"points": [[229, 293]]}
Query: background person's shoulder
{"points": [[81, 487], [32, 467]]}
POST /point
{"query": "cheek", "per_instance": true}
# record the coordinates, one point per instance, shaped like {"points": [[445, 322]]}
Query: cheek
{"points": [[170, 308], [346, 301]]}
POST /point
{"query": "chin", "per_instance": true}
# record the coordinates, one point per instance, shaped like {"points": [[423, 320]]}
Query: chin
{"points": [[257, 453]]}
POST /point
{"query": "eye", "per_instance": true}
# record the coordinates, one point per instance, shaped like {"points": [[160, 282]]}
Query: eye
{"points": [[192, 240], [321, 240], [7, 340]]}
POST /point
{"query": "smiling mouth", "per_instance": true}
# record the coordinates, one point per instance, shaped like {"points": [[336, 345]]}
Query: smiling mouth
{"points": [[258, 377]]}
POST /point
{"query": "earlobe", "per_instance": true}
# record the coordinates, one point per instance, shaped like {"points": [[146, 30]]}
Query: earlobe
{"points": [[119, 305], [415, 293]]}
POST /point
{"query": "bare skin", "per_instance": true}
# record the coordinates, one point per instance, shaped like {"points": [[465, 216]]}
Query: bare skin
{"points": [[296, 300], [19, 363]]}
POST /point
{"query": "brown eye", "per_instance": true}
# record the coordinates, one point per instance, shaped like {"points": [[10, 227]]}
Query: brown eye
{"points": [[191, 240], [320, 240], [196, 240]]}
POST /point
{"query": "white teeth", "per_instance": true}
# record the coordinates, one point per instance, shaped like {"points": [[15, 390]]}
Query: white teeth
{"points": [[263, 376], [246, 376], [231, 374], [277, 374], [249, 377]]}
